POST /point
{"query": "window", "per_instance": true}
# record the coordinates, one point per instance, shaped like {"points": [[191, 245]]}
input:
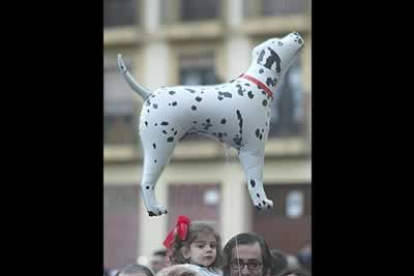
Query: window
{"points": [[197, 69], [288, 225], [120, 124], [199, 9], [120, 12], [288, 107], [275, 7], [173, 11], [281, 7], [294, 204], [198, 201]]}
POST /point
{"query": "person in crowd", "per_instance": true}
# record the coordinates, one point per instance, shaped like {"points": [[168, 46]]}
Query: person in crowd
{"points": [[280, 262], [178, 270], [158, 260], [134, 270], [247, 254], [196, 244]]}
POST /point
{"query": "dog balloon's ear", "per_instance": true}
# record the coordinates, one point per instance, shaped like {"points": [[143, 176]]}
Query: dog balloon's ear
{"points": [[258, 49]]}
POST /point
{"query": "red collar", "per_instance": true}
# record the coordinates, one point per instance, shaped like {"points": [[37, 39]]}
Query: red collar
{"points": [[259, 84]]}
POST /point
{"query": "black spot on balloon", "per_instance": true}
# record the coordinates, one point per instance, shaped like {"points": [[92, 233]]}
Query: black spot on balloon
{"points": [[240, 90], [146, 123], [147, 187], [264, 102], [194, 122], [170, 139], [155, 106], [155, 161], [154, 145], [194, 107], [257, 195], [172, 92], [175, 132], [174, 103], [252, 183], [208, 120], [190, 90], [220, 98], [223, 121], [164, 123], [257, 133], [225, 94], [165, 132], [250, 94], [198, 99], [261, 71]]}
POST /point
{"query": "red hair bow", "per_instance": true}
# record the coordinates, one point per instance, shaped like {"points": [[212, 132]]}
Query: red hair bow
{"points": [[181, 229]]}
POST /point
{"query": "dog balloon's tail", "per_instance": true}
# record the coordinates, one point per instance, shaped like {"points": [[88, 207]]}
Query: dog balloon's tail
{"points": [[142, 91]]}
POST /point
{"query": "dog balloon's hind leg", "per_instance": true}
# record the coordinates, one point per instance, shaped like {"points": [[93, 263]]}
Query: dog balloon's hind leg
{"points": [[156, 156]]}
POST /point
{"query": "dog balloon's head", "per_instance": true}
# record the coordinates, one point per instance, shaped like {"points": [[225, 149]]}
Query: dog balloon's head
{"points": [[277, 54]]}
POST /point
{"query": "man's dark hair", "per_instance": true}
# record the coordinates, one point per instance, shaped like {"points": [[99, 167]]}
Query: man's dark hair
{"points": [[247, 239], [161, 252], [135, 268]]}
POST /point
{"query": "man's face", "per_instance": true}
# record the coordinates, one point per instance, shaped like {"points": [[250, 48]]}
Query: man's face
{"points": [[246, 260]]}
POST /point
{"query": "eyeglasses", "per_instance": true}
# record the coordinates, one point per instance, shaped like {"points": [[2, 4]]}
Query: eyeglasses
{"points": [[251, 265]]}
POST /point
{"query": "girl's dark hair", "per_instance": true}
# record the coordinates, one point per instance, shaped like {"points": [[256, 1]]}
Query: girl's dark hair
{"points": [[135, 268], [194, 230], [243, 239]]}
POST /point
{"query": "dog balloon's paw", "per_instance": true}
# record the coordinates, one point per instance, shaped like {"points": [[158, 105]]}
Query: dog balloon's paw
{"points": [[157, 210], [264, 204]]}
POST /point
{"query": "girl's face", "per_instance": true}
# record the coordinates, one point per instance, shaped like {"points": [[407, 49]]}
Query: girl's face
{"points": [[203, 250]]}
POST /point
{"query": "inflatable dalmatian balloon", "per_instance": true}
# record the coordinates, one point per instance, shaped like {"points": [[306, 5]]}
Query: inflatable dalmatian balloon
{"points": [[235, 113]]}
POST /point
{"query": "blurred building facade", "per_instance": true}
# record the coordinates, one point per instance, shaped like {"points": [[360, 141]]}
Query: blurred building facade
{"points": [[173, 42]]}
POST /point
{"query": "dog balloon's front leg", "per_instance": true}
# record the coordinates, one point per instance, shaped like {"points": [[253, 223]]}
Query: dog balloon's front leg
{"points": [[252, 163]]}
